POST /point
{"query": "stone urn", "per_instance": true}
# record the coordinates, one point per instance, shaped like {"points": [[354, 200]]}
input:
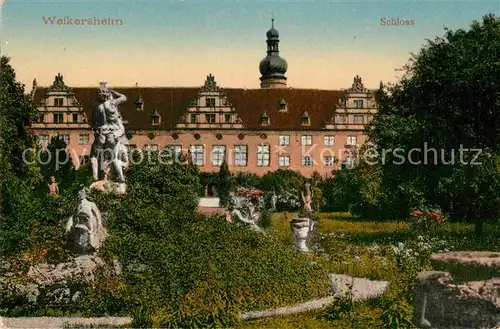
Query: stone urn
{"points": [[300, 228]]}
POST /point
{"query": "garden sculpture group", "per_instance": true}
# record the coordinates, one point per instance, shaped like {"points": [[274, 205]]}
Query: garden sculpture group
{"points": [[245, 206], [110, 143], [85, 229]]}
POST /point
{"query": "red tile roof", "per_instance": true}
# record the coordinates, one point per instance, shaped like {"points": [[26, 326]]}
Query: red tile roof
{"points": [[171, 103]]}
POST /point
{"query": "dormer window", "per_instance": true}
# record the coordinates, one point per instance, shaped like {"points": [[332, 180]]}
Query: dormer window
{"points": [[282, 106], [156, 119], [305, 120], [264, 119], [139, 104]]}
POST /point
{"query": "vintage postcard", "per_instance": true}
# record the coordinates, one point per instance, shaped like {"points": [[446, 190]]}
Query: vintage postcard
{"points": [[253, 164]]}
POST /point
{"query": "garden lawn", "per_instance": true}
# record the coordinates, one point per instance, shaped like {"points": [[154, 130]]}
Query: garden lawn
{"points": [[382, 250]]}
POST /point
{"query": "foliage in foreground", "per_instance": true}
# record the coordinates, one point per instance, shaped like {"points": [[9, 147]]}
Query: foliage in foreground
{"points": [[202, 271]]}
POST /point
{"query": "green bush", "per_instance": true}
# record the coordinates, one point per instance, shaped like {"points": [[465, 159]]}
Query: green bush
{"points": [[202, 271]]}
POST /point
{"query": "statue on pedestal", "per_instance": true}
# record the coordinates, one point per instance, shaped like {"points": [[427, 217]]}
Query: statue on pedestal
{"points": [[53, 187], [109, 148], [307, 198]]}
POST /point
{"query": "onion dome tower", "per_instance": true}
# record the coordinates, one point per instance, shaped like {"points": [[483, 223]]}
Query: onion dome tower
{"points": [[273, 67]]}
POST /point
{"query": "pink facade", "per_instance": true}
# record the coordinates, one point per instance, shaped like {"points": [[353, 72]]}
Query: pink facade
{"points": [[253, 130]]}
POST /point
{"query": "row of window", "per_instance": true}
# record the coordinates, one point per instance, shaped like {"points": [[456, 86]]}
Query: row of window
{"points": [[284, 140], [209, 118], [240, 154], [356, 119], [83, 139], [58, 117]]}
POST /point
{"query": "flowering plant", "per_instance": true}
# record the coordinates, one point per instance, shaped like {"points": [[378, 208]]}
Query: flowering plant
{"points": [[250, 193], [426, 219]]}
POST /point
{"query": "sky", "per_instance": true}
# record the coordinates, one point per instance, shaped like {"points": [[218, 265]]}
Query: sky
{"points": [[178, 43]]}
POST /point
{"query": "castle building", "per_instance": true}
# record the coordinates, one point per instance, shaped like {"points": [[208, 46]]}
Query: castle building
{"points": [[253, 130]]}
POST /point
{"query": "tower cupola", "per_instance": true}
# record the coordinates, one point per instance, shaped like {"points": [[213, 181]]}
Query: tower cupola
{"points": [[273, 67]]}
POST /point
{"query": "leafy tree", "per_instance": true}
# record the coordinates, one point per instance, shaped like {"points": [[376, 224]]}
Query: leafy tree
{"points": [[224, 184], [16, 112], [18, 173], [448, 100], [56, 161], [287, 184]]}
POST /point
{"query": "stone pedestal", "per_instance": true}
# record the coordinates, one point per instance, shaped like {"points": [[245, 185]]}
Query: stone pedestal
{"points": [[300, 228], [464, 292]]}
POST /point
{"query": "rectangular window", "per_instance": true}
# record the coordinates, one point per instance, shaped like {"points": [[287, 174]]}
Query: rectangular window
{"points": [[83, 139], [218, 154], [358, 103], [197, 155], [58, 117], [58, 101], [263, 156], [351, 140], [329, 140], [151, 147], [227, 118], [43, 140], [65, 138], [306, 140], [307, 161], [41, 117], [171, 152], [194, 118], [348, 163], [284, 161], [174, 149], [210, 118], [240, 155], [358, 119], [156, 120], [340, 119], [284, 140], [210, 102], [328, 160], [75, 117]]}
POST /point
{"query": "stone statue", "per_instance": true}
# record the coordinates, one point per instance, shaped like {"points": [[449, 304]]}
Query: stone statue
{"points": [[237, 216], [85, 229], [110, 142], [307, 198], [274, 199], [53, 187], [244, 207]]}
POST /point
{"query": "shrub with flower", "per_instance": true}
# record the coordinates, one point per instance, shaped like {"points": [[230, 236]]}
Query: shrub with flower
{"points": [[426, 220], [413, 256]]}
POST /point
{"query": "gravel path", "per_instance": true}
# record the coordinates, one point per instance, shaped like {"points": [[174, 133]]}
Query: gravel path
{"points": [[56, 322]]}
